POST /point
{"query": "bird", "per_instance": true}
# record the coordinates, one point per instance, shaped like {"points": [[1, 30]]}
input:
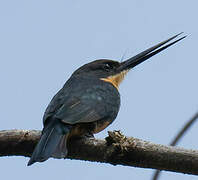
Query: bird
{"points": [[88, 102]]}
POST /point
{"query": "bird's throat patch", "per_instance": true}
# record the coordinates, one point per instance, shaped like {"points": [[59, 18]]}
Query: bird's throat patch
{"points": [[116, 79]]}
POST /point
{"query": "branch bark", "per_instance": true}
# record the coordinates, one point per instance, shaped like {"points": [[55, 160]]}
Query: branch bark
{"points": [[177, 138], [116, 149]]}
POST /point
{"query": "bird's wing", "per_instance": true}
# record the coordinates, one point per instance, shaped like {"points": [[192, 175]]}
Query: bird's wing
{"points": [[77, 103], [54, 105], [75, 108], [87, 108]]}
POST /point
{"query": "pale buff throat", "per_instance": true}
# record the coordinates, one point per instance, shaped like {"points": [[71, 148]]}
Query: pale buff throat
{"points": [[115, 80]]}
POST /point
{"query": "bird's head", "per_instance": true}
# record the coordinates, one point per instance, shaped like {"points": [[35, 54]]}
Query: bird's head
{"points": [[113, 71]]}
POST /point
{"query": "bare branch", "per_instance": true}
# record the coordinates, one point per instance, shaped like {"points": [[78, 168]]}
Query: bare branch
{"points": [[116, 149], [177, 139]]}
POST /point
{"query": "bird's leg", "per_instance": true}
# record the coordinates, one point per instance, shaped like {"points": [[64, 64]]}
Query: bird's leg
{"points": [[87, 135]]}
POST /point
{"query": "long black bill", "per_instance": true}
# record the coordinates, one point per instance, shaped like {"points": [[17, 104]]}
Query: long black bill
{"points": [[141, 57]]}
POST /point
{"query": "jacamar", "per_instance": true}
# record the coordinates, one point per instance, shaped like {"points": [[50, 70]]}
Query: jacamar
{"points": [[88, 102]]}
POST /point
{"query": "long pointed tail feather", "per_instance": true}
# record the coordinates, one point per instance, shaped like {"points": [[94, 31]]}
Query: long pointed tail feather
{"points": [[61, 149], [50, 144]]}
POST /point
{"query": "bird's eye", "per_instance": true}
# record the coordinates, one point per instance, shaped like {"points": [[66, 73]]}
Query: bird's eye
{"points": [[107, 67]]}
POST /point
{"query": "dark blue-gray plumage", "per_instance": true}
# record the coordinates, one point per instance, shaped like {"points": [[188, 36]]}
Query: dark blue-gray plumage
{"points": [[88, 102]]}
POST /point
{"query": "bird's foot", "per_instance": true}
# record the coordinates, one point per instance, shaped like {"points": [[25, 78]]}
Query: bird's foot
{"points": [[89, 135], [85, 136]]}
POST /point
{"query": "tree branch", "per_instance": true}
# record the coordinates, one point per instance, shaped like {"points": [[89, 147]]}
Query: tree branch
{"points": [[177, 138], [116, 149]]}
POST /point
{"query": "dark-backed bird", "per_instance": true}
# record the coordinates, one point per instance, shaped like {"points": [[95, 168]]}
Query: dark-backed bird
{"points": [[87, 103]]}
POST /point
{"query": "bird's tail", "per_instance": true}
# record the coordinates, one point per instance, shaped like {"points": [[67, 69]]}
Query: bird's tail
{"points": [[52, 143]]}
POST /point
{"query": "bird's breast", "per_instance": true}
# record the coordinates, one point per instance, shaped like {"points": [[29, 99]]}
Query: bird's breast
{"points": [[93, 127], [101, 125]]}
